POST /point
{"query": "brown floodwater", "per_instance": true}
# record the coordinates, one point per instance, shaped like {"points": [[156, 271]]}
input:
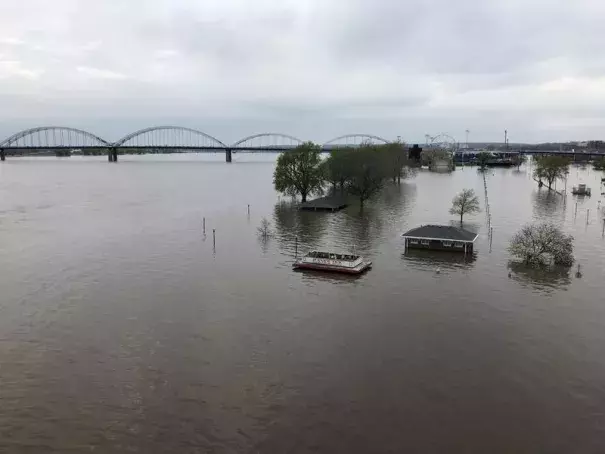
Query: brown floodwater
{"points": [[124, 330]]}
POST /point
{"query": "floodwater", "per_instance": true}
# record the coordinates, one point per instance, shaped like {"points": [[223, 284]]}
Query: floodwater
{"points": [[124, 330]]}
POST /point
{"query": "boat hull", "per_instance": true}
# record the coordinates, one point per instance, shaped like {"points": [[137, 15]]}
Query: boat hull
{"points": [[361, 268]]}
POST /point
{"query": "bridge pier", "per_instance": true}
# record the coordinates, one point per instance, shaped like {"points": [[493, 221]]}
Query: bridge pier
{"points": [[112, 155], [2, 155], [228, 157]]}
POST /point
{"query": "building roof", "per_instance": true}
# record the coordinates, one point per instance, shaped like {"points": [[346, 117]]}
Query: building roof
{"points": [[442, 232]]}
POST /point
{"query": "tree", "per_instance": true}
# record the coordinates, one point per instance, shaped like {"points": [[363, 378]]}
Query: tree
{"points": [[465, 203], [540, 244], [519, 159], [365, 171], [335, 167], [395, 159], [264, 230], [299, 171], [483, 159], [551, 168], [430, 156], [599, 164]]}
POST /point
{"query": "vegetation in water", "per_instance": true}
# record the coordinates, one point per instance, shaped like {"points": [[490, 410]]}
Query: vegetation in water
{"points": [[483, 159], [551, 168], [542, 244], [599, 164], [299, 172], [466, 202]]}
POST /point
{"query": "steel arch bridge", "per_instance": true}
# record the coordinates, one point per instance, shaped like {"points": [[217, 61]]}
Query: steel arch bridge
{"points": [[52, 137], [354, 140], [267, 141], [175, 137]]}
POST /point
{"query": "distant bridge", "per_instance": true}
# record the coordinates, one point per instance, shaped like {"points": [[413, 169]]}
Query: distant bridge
{"points": [[47, 139]]}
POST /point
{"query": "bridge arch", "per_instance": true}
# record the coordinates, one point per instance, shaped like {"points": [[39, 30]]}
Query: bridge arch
{"points": [[53, 137], [354, 139], [277, 137], [169, 136]]}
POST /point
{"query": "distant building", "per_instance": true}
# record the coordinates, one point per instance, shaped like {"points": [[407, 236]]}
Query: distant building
{"points": [[440, 238]]}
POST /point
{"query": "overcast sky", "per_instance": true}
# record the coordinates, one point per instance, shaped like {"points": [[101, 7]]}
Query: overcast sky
{"points": [[315, 69]]}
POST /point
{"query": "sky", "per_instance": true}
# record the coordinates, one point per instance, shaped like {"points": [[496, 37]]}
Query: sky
{"points": [[315, 69]]}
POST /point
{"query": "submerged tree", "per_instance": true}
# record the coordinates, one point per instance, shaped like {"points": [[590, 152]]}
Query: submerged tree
{"points": [[540, 244], [519, 159], [551, 168], [366, 172], [299, 171], [483, 159], [334, 168], [599, 164], [465, 203], [432, 155], [395, 159], [264, 230]]}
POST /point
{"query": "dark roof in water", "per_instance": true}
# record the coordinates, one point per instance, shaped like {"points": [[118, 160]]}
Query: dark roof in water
{"points": [[441, 232]]}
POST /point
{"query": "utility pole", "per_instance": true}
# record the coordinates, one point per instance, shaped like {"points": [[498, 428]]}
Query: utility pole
{"points": [[506, 139], [467, 133]]}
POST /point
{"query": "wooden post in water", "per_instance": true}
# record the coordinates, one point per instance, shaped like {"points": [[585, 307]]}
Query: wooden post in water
{"points": [[2, 154], [248, 209], [214, 238], [204, 226], [587, 215], [576, 212]]}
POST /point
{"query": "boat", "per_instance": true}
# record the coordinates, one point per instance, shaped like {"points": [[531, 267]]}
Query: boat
{"points": [[332, 262], [581, 189]]}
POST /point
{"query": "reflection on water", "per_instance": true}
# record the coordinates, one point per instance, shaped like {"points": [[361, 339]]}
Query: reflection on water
{"points": [[548, 204], [292, 223], [427, 260], [138, 339], [545, 279]]}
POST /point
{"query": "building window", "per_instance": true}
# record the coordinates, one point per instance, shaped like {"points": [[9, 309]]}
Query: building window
{"points": [[459, 245], [425, 242], [413, 241], [447, 243]]}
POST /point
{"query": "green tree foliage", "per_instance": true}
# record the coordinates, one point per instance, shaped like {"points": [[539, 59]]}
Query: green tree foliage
{"points": [[366, 172], [551, 168], [299, 172], [334, 168], [483, 159], [599, 164], [465, 203], [540, 244], [395, 159], [519, 159]]}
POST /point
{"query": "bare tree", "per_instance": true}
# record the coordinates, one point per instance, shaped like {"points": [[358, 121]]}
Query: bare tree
{"points": [[540, 244], [264, 231], [465, 203]]}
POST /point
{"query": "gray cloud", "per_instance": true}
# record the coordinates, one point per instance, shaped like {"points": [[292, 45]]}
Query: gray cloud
{"points": [[312, 68]]}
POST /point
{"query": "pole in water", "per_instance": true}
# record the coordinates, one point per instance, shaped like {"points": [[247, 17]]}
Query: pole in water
{"points": [[576, 212], [214, 237], [587, 215], [204, 226], [248, 209]]}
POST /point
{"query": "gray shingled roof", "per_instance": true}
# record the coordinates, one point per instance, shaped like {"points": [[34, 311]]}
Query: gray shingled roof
{"points": [[441, 232]]}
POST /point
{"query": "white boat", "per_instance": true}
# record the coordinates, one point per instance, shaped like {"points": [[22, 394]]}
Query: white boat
{"points": [[332, 262]]}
